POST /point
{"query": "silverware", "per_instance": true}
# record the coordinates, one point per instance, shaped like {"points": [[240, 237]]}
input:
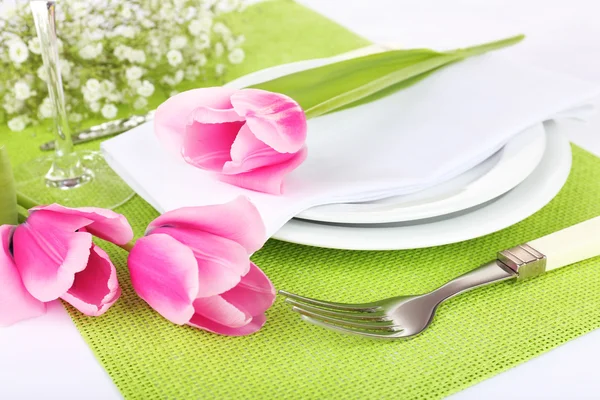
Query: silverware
{"points": [[405, 316], [105, 129]]}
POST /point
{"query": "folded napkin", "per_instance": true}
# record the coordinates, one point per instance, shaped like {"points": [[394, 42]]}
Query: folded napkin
{"points": [[405, 142]]}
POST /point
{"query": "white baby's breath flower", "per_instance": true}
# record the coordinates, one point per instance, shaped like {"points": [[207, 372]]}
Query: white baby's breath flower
{"points": [[22, 90], [174, 57], [137, 56], [46, 109], [42, 74], [236, 56], [134, 73], [135, 84], [126, 11], [225, 6], [114, 97], [17, 124], [109, 111], [202, 42], [65, 68], [125, 31], [221, 29], [219, 69], [179, 76], [202, 60], [140, 102], [219, 49], [93, 85], [148, 24], [94, 106], [145, 89], [34, 46], [122, 52], [75, 117], [90, 96], [17, 51], [12, 105], [178, 42], [90, 51], [200, 25]]}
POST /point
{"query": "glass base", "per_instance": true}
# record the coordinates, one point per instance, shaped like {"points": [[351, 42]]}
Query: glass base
{"points": [[100, 187]]}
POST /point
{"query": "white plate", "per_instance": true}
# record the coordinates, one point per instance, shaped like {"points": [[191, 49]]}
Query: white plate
{"points": [[530, 196], [490, 179]]}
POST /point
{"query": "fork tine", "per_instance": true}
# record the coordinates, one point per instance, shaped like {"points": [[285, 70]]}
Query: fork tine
{"points": [[371, 325], [357, 316], [354, 331], [334, 306]]}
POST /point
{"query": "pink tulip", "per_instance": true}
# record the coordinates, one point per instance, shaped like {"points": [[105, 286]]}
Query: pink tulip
{"points": [[16, 304], [193, 268], [56, 258], [250, 137]]}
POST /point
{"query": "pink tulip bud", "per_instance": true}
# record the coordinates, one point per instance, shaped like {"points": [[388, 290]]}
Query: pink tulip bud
{"points": [[193, 267], [250, 138]]}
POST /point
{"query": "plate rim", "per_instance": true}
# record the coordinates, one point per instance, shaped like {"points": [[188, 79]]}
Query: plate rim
{"points": [[546, 181]]}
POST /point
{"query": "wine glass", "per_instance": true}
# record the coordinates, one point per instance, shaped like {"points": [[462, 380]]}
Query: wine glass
{"points": [[71, 178]]}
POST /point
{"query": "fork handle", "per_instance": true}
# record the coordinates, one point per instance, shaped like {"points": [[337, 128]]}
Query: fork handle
{"points": [[570, 245]]}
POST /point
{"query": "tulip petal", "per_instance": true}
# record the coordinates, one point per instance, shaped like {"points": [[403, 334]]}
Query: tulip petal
{"points": [[207, 146], [255, 294], [164, 273], [222, 312], [16, 304], [221, 262], [105, 224], [275, 119], [171, 117], [237, 220], [48, 253], [96, 288], [249, 153], [267, 179], [253, 326]]}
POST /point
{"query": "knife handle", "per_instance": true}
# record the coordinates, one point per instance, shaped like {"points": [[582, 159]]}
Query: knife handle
{"points": [[570, 245]]}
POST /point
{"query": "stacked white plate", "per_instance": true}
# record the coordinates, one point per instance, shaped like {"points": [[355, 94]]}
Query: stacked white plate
{"points": [[506, 188]]}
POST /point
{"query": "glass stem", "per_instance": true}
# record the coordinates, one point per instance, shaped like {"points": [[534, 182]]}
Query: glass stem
{"points": [[66, 170]]}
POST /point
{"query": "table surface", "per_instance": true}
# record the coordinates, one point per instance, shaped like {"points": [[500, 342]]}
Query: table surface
{"points": [[47, 358]]}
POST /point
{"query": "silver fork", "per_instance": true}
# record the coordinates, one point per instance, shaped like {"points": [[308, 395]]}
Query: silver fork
{"points": [[405, 316]]}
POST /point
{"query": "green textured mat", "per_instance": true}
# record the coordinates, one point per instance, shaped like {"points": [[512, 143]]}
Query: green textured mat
{"points": [[473, 337]]}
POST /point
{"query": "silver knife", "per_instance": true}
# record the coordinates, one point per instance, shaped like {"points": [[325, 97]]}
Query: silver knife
{"points": [[105, 129]]}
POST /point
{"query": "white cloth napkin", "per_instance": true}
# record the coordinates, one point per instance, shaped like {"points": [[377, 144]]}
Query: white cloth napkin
{"points": [[408, 141]]}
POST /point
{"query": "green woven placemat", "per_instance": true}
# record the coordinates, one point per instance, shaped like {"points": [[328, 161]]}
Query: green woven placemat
{"points": [[474, 336]]}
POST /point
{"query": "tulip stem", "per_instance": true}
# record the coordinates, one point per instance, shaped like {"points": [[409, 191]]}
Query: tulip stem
{"points": [[128, 246], [22, 214]]}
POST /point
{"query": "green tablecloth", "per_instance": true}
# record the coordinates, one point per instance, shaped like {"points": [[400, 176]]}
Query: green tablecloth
{"points": [[474, 336]]}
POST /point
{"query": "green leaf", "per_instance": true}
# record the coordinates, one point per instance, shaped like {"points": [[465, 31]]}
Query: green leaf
{"points": [[8, 195], [356, 81]]}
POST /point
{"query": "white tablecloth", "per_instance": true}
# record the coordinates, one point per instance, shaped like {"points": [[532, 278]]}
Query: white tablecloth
{"points": [[47, 358]]}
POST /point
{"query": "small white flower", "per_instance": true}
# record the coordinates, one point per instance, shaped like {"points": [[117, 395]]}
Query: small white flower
{"points": [[202, 60], [17, 51], [107, 88], [135, 84], [225, 6], [202, 42], [236, 56], [114, 97], [140, 102], [198, 26], [174, 57], [109, 111], [148, 24], [34, 46], [137, 56], [125, 31], [219, 69], [90, 51], [219, 49], [179, 76], [221, 29], [146, 89], [94, 106], [46, 109], [22, 90], [122, 52], [75, 117], [93, 85], [65, 68], [17, 124], [12, 105], [126, 12], [134, 73], [42, 74], [178, 42], [91, 96]]}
